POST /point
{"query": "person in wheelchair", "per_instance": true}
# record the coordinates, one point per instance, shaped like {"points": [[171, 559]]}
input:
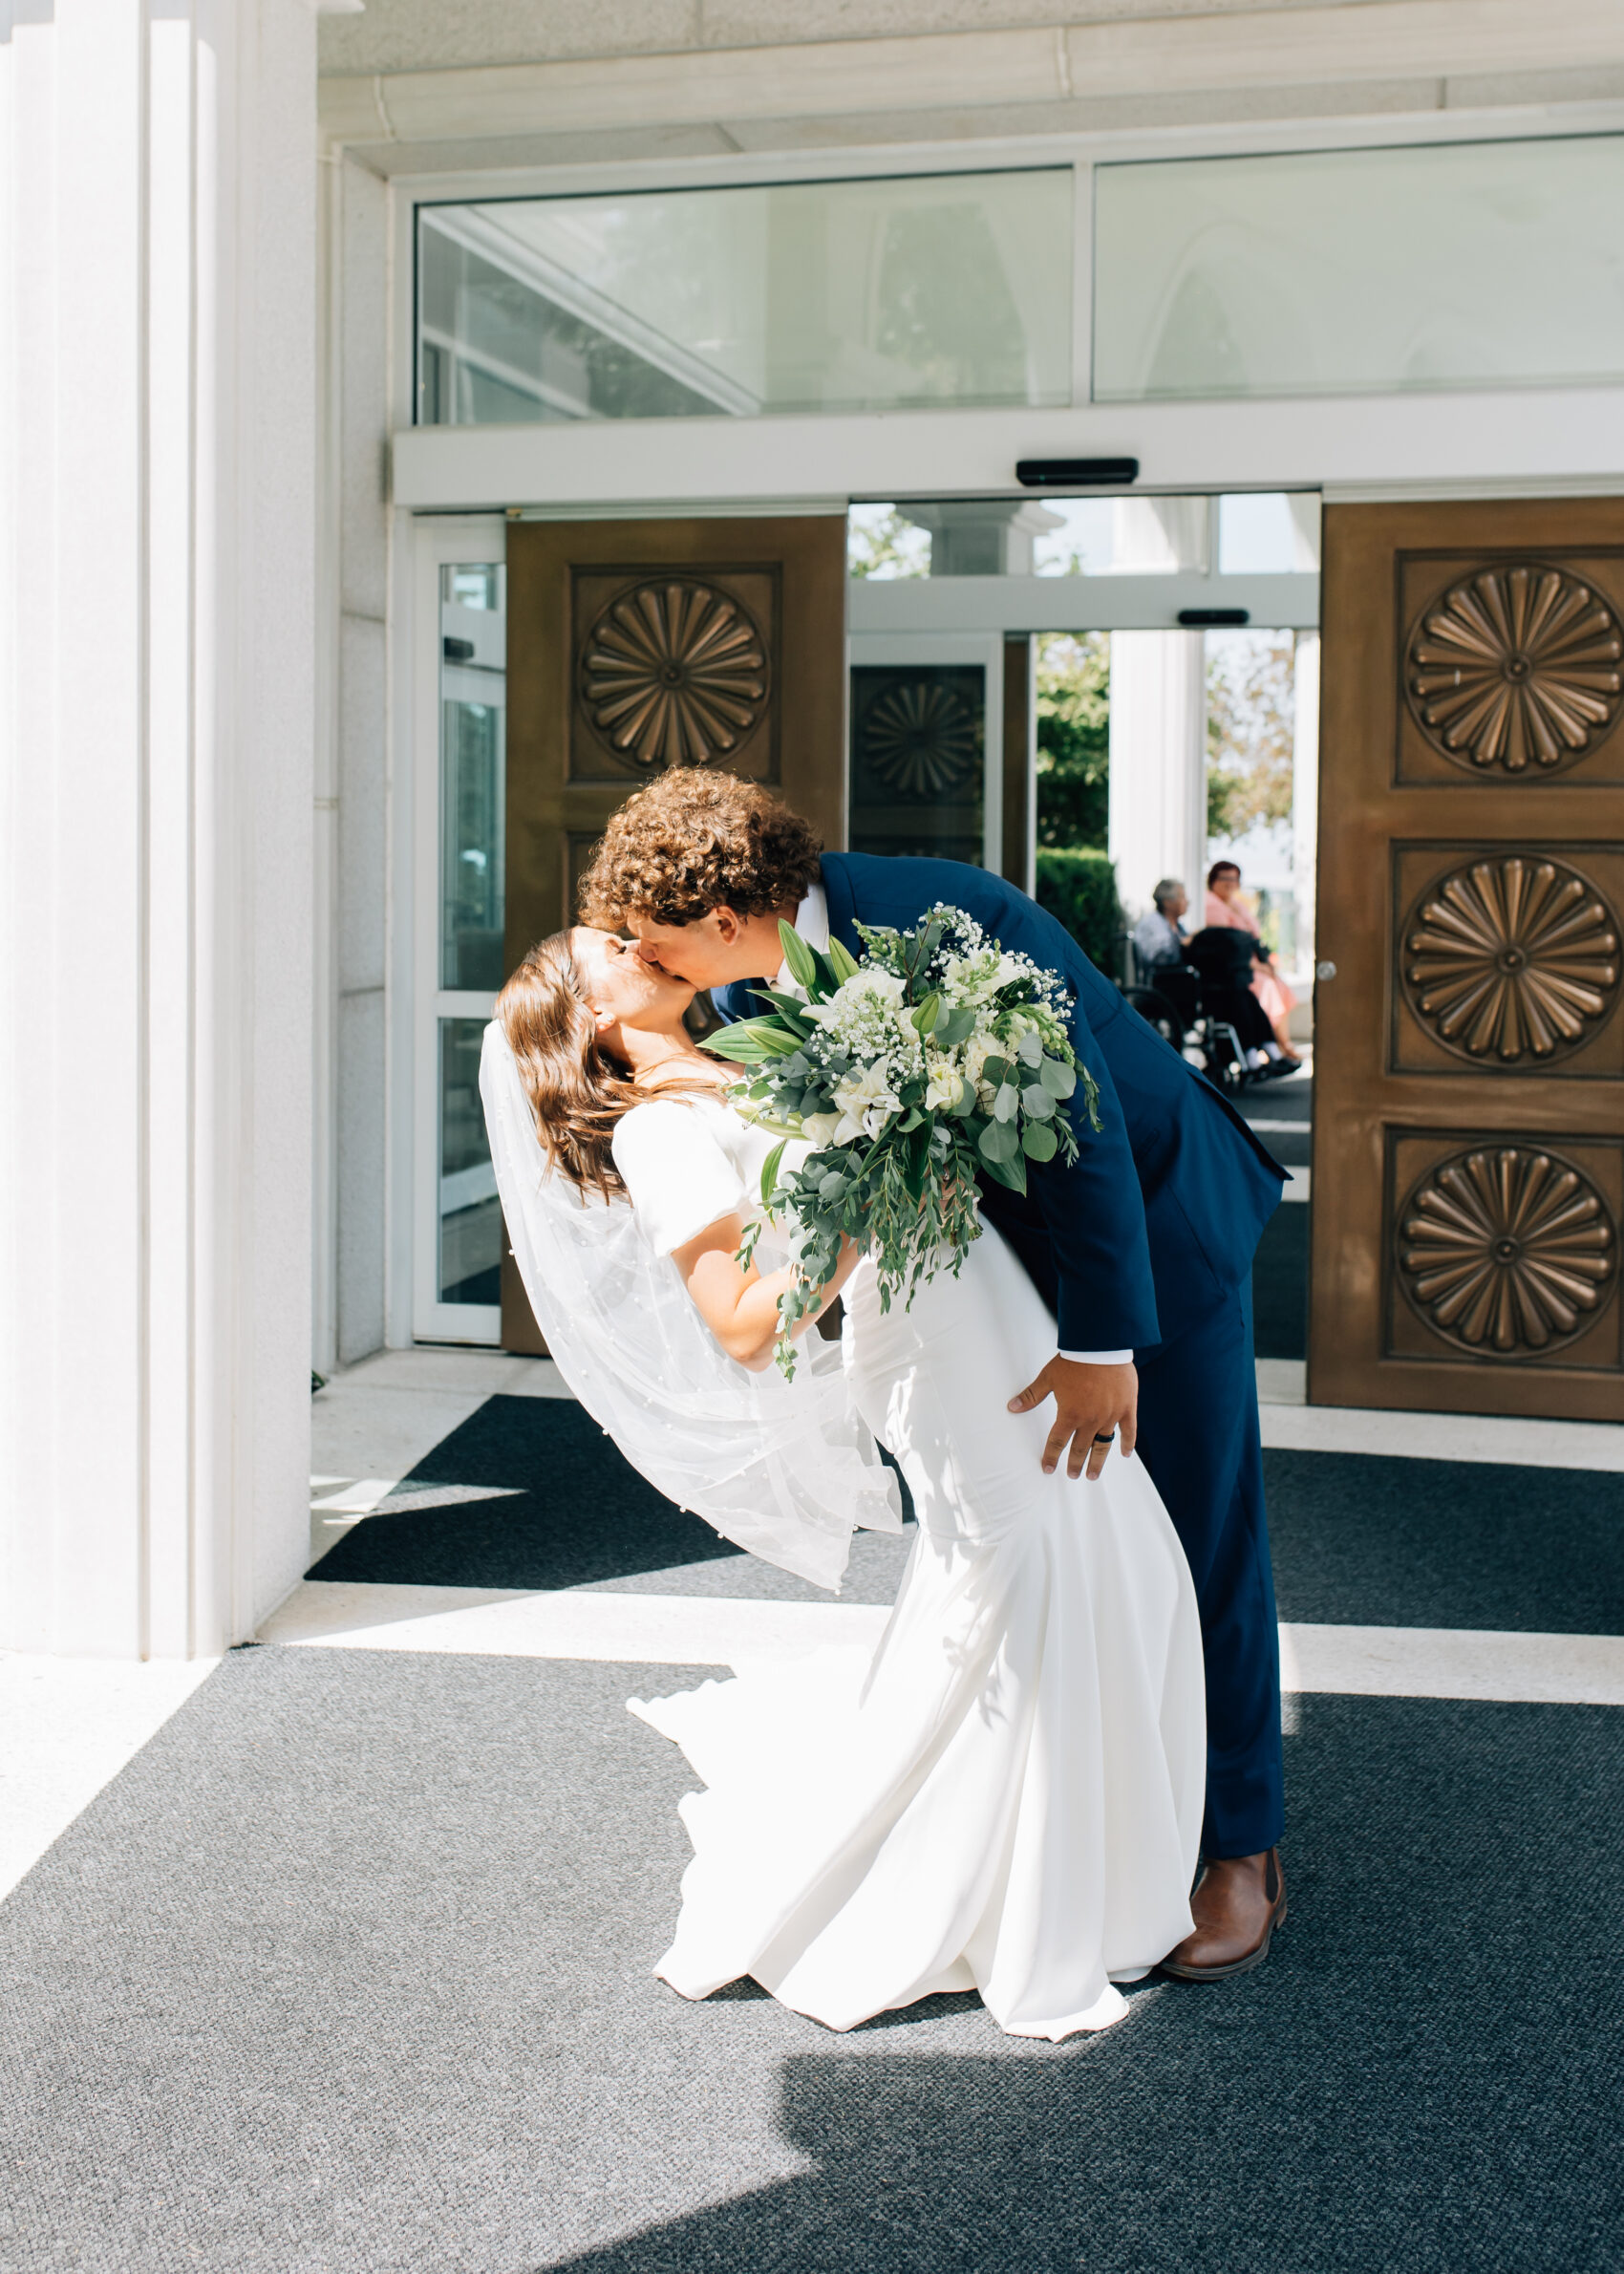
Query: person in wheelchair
{"points": [[1159, 935], [1200, 989], [1228, 909]]}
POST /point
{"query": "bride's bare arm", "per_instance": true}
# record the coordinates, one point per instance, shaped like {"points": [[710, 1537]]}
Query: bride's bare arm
{"points": [[741, 1307]]}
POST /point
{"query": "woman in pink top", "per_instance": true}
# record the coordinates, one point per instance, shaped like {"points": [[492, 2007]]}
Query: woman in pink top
{"points": [[1225, 907]]}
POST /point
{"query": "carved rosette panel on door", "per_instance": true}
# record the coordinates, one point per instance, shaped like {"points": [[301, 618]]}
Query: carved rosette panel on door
{"points": [[1512, 668], [918, 775], [1505, 1252], [1508, 960], [1469, 1055], [635, 646], [674, 670]]}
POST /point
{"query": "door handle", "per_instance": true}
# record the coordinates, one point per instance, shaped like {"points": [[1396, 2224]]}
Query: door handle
{"points": [[1325, 971]]}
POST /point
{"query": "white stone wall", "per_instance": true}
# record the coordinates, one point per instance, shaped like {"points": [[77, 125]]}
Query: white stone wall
{"points": [[353, 809], [156, 643]]}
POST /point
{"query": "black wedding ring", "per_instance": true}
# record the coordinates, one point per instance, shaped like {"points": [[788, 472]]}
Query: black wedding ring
{"points": [[1109, 1438]]}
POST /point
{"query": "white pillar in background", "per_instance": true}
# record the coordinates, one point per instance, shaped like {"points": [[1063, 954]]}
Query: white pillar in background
{"points": [[1157, 823], [1158, 764], [1305, 789], [157, 649]]}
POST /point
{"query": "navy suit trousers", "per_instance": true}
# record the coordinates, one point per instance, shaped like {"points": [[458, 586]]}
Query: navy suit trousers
{"points": [[1198, 1436]]}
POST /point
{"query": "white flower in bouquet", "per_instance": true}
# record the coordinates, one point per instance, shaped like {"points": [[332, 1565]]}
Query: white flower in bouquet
{"points": [[944, 1084], [866, 1102]]}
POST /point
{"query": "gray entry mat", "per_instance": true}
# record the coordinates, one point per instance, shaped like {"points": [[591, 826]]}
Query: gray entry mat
{"points": [[348, 1973]]}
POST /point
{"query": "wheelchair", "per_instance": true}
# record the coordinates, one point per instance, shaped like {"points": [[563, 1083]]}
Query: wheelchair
{"points": [[1203, 1005]]}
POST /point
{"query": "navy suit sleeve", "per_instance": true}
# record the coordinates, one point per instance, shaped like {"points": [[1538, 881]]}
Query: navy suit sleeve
{"points": [[737, 1001], [1094, 1211]]}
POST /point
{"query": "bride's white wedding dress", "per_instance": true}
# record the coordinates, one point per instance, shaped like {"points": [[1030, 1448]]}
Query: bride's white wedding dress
{"points": [[1006, 1796]]}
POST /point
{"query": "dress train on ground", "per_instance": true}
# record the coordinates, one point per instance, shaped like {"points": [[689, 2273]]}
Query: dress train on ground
{"points": [[1006, 1795]]}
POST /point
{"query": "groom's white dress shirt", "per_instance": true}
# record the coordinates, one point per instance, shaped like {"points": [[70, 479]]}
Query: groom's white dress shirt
{"points": [[812, 922]]}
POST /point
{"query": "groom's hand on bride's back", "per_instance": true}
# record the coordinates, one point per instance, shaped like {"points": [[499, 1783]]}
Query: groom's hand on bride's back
{"points": [[1093, 1405]]}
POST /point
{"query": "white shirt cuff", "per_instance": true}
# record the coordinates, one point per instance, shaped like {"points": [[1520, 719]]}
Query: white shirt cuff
{"points": [[1098, 1358]]}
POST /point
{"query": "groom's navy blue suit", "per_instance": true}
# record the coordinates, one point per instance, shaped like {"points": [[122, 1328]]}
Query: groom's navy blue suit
{"points": [[1146, 1242]]}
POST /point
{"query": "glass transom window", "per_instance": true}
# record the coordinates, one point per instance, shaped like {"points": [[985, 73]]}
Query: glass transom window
{"points": [[888, 294], [1343, 272]]}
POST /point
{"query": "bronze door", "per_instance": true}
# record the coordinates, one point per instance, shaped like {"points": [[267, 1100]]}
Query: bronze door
{"points": [[635, 644], [1469, 1153]]}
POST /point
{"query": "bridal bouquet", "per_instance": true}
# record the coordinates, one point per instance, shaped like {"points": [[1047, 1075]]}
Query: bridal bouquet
{"points": [[938, 1057]]}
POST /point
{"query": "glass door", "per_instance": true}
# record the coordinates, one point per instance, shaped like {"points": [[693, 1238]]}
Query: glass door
{"points": [[927, 745], [462, 855]]}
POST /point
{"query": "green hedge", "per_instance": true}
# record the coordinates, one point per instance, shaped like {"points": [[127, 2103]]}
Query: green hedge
{"points": [[1080, 889]]}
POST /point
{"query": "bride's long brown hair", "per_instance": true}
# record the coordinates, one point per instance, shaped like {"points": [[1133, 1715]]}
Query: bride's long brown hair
{"points": [[577, 1092]]}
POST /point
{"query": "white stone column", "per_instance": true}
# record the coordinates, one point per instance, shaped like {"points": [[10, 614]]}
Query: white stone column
{"points": [[156, 652], [1305, 789], [1157, 823], [1158, 780], [982, 536]]}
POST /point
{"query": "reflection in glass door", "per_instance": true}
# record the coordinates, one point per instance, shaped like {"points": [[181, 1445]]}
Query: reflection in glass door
{"points": [[473, 677], [926, 746], [463, 863], [473, 682]]}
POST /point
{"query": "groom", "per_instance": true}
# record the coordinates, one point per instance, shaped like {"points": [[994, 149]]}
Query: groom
{"points": [[1142, 1248]]}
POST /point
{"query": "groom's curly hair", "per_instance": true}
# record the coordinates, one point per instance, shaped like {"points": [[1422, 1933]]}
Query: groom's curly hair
{"points": [[695, 840]]}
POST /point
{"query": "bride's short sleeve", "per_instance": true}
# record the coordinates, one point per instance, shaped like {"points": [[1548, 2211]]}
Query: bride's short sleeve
{"points": [[678, 1174]]}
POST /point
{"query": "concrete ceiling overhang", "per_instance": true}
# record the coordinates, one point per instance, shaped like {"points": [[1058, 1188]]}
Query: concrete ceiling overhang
{"points": [[1150, 63]]}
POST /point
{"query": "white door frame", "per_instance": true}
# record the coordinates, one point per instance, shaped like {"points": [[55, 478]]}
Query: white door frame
{"points": [[1543, 440], [438, 543], [901, 604], [1522, 441], [457, 485]]}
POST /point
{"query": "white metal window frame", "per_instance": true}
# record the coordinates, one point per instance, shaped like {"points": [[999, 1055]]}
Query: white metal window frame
{"points": [[1541, 441], [458, 482], [437, 544], [1011, 604]]}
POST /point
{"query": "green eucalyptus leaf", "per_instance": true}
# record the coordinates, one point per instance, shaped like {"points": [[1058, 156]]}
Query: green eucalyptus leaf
{"points": [[1007, 1104], [1091, 1101], [1030, 1050], [998, 1141], [1056, 1078], [1008, 1172], [1038, 1102], [1038, 1141]]}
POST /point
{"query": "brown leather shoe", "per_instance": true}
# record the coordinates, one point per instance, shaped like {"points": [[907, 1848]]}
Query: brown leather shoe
{"points": [[1238, 1904]]}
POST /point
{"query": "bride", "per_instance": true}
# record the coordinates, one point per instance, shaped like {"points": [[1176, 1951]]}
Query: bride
{"points": [[1006, 1794]]}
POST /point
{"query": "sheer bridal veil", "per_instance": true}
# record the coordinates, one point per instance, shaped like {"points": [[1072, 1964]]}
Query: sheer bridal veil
{"points": [[785, 1469]]}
